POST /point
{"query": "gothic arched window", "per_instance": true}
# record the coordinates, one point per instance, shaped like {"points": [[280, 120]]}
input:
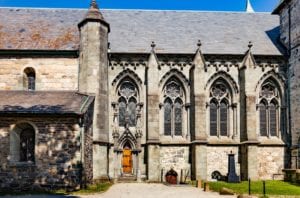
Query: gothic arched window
{"points": [[29, 79], [127, 103], [269, 109], [219, 113], [27, 143], [173, 108]]}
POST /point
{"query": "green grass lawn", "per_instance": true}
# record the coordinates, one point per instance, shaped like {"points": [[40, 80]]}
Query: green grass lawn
{"points": [[272, 187]]}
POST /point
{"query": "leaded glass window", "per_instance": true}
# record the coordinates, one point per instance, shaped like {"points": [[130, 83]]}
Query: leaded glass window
{"points": [[168, 116], [29, 79], [173, 108], [27, 143], [219, 113], [223, 118], [263, 118], [213, 118], [268, 109], [127, 103]]}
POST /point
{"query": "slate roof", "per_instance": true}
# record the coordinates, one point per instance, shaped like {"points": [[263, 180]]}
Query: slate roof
{"points": [[133, 30], [44, 102]]}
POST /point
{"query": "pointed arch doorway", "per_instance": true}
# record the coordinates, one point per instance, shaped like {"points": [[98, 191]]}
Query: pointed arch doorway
{"points": [[127, 159]]}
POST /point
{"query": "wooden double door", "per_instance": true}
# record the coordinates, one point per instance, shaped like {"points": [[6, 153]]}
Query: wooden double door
{"points": [[127, 161]]}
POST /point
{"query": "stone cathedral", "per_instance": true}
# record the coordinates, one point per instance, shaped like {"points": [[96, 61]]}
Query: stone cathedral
{"points": [[91, 95]]}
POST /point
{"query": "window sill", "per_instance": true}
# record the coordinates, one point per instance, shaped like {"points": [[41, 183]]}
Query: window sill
{"points": [[270, 141]]}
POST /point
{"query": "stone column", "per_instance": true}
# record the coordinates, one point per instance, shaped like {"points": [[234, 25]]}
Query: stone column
{"points": [[248, 115], [93, 79], [152, 106], [198, 116]]}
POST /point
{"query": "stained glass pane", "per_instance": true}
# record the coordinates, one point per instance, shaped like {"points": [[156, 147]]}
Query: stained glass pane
{"points": [[178, 117], [223, 119], [219, 89], [27, 145], [173, 89], [268, 90], [127, 89], [167, 117], [132, 112], [273, 120], [122, 111], [263, 119], [31, 83], [213, 119]]}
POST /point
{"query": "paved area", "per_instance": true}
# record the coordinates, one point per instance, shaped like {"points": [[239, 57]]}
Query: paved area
{"points": [[143, 190]]}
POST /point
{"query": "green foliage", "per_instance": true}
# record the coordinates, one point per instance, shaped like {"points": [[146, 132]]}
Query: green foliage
{"points": [[95, 188], [272, 187]]}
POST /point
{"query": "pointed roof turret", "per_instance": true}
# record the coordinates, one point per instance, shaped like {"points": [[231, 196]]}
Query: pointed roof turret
{"points": [[93, 14], [199, 60], [249, 8]]}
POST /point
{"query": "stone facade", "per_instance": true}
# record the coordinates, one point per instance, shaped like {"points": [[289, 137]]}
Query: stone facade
{"points": [[52, 168], [290, 37], [51, 73], [166, 110]]}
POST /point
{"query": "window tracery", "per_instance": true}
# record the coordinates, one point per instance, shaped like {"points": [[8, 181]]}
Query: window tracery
{"points": [[219, 109], [127, 103], [173, 108], [269, 109]]}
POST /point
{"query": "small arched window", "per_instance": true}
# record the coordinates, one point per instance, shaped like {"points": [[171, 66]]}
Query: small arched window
{"points": [[27, 141], [22, 143], [269, 109], [29, 79], [219, 114], [127, 103], [173, 108]]}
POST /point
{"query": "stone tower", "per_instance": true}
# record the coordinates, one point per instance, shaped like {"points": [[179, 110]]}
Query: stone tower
{"points": [[93, 79], [290, 38]]}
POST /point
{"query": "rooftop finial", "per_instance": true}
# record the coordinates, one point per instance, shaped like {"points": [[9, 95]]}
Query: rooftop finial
{"points": [[249, 8], [199, 44], [94, 4], [153, 45], [250, 45]]}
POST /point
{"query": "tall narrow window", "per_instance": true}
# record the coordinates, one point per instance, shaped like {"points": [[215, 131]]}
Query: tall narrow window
{"points": [[213, 119], [178, 117], [268, 109], [29, 79], [263, 119], [127, 103], [219, 113], [27, 141], [173, 108], [223, 118], [168, 116], [273, 119]]}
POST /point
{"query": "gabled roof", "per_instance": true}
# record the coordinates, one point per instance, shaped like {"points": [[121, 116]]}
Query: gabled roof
{"points": [[132, 31], [44, 102]]}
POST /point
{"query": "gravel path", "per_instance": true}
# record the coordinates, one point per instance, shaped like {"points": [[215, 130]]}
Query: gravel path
{"points": [[143, 190]]}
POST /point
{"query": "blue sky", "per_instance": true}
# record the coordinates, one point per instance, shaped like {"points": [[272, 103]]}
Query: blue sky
{"points": [[213, 5]]}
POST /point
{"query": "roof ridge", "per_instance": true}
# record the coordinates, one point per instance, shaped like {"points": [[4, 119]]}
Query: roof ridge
{"points": [[146, 10]]}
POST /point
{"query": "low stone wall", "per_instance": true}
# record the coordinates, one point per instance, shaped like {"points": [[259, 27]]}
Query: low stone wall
{"points": [[57, 154], [270, 162], [217, 159], [176, 158]]}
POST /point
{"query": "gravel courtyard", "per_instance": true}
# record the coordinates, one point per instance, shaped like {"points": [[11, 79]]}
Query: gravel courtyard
{"points": [[143, 190]]}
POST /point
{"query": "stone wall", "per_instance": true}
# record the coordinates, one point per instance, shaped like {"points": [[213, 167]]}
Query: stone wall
{"points": [[217, 159], [51, 73], [177, 158], [290, 37], [270, 162], [57, 154]]}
